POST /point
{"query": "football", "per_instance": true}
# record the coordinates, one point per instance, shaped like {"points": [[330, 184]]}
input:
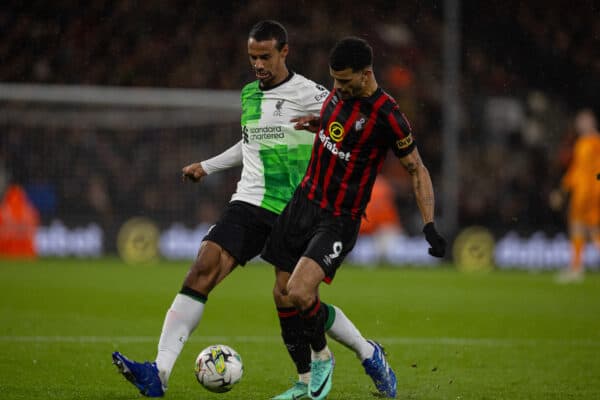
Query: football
{"points": [[218, 368]]}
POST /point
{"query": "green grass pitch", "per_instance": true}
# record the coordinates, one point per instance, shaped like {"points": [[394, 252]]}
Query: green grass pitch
{"points": [[500, 335]]}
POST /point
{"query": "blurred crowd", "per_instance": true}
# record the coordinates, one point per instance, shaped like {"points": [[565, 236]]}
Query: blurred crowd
{"points": [[524, 71]]}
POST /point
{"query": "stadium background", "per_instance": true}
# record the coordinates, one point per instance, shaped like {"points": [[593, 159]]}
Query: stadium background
{"points": [[525, 68], [89, 166]]}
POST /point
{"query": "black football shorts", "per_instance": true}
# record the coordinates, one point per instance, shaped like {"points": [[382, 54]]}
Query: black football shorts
{"points": [[305, 229], [242, 230]]}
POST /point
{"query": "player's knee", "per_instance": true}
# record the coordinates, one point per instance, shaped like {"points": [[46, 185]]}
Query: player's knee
{"points": [[279, 296], [301, 298], [280, 292]]}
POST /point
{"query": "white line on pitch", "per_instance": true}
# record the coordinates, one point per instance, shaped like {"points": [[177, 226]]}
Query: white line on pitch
{"points": [[488, 342]]}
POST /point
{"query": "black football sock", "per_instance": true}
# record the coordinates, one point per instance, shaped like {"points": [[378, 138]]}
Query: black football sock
{"points": [[294, 339], [314, 319]]}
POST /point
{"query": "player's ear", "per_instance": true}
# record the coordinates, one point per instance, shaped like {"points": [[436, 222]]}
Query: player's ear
{"points": [[284, 50], [365, 75]]}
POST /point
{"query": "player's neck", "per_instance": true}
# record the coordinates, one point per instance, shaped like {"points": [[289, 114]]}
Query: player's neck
{"points": [[284, 76], [370, 87]]}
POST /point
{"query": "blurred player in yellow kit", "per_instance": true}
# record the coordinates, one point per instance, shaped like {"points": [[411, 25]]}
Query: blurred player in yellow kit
{"points": [[582, 183]]}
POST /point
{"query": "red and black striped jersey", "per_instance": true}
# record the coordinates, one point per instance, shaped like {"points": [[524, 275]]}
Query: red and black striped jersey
{"points": [[353, 139]]}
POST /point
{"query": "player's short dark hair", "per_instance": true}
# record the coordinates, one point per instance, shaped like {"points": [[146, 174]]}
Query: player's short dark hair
{"points": [[267, 30], [351, 52]]}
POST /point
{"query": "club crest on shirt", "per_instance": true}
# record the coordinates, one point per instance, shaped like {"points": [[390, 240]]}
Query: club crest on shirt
{"points": [[360, 124], [278, 105], [336, 131]]}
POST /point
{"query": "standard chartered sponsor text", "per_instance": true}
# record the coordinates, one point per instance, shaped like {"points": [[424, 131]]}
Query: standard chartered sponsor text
{"points": [[266, 132]]}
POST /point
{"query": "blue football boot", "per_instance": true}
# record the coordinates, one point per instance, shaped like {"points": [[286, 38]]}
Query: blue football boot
{"points": [[143, 375], [380, 372]]}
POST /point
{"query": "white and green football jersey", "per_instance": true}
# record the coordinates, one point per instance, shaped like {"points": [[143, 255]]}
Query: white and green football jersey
{"points": [[275, 155]]}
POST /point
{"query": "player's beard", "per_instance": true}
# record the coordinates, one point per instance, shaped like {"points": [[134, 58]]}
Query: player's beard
{"points": [[345, 95], [351, 93], [348, 94]]}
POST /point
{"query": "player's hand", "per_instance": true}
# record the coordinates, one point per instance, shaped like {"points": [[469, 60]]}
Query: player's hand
{"points": [[435, 240], [193, 172], [308, 123]]}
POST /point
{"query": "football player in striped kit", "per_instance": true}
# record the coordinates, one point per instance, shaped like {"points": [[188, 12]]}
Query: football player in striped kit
{"points": [[358, 124]]}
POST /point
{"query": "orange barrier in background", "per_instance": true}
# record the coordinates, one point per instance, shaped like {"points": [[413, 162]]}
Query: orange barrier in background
{"points": [[381, 211], [19, 220]]}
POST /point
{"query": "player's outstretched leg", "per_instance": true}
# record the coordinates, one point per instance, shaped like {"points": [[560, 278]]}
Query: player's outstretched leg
{"points": [[298, 349], [340, 328], [143, 375], [211, 266], [380, 371], [292, 333], [314, 318]]}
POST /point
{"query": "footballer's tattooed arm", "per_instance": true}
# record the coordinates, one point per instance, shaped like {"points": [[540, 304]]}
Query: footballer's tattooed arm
{"points": [[422, 185]]}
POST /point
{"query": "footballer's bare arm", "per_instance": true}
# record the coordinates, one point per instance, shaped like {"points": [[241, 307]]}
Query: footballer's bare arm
{"points": [[231, 157], [422, 185]]}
